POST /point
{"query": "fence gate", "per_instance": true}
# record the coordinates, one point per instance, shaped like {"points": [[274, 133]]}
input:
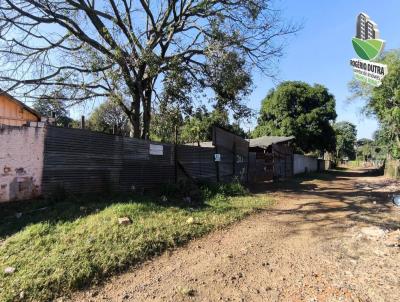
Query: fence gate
{"points": [[283, 161], [234, 152], [261, 166]]}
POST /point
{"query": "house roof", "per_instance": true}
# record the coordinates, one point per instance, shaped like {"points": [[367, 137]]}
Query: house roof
{"points": [[266, 141], [19, 103]]}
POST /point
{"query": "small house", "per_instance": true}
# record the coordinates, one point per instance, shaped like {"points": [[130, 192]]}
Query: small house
{"points": [[15, 113]]}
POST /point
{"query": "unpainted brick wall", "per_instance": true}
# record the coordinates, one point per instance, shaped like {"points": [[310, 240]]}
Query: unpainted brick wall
{"points": [[21, 162]]}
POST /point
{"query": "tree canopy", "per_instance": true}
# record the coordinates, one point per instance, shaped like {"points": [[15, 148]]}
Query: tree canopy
{"points": [[135, 51], [54, 107], [110, 118], [299, 109], [371, 149], [346, 137], [199, 128], [383, 102]]}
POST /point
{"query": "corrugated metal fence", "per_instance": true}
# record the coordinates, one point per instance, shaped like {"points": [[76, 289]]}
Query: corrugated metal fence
{"points": [[82, 161], [234, 151], [283, 161], [196, 163]]}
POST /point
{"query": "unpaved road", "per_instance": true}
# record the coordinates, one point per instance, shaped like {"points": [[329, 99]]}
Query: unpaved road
{"points": [[331, 239]]}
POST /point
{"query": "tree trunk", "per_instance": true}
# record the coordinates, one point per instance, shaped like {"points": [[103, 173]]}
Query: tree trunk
{"points": [[147, 113], [134, 117]]}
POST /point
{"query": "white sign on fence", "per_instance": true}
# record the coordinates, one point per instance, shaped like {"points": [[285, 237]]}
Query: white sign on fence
{"points": [[156, 149], [217, 157]]}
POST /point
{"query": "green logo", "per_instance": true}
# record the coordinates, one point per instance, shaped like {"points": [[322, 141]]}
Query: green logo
{"points": [[368, 49], [367, 44]]}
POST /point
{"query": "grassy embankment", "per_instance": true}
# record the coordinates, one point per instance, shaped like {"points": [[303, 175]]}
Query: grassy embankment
{"points": [[56, 248]]}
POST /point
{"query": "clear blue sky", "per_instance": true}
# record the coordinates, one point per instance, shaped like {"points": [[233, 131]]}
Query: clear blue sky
{"points": [[321, 51]]}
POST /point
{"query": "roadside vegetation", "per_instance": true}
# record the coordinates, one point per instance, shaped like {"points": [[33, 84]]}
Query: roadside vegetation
{"points": [[55, 248], [383, 103], [295, 108]]}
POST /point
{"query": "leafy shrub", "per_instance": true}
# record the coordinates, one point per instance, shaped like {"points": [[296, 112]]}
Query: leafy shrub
{"points": [[234, 188], [203, 191]]}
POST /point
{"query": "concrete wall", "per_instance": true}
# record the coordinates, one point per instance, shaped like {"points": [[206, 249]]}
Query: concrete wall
{"points": [[392, 169], [324, 165], [304, 164], [21, 162]]}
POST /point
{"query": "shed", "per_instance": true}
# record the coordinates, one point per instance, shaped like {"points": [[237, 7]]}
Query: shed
{"points": [[270, 157], [15, 113]]}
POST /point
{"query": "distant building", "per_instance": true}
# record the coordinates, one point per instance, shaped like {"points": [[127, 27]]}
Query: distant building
{"points": [[366, 28], [270, 157], [15, 113]]}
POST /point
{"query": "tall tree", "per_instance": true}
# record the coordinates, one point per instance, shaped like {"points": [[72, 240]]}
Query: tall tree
{"points": [[167, 122], [123, 49], [199, 128], [110, 118], [346, 137], [365, 149], [304, 111], [383, 102], [368, 149]]}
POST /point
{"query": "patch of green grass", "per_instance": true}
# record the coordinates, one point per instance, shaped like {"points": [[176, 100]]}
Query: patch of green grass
{"points": [[58, 248], [354, 163]]}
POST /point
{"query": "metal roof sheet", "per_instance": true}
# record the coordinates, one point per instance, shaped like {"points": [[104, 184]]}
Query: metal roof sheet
{"points": [[266, 141]]}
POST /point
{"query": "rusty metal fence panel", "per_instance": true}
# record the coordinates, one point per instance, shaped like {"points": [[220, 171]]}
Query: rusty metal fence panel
{"points": [[198, 163], [226, 165]]}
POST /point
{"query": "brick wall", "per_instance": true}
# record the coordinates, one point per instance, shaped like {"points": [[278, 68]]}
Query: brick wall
{"points": [[21, 162]]}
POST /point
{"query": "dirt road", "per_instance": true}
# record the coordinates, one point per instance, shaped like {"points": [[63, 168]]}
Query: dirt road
{"points": [[331, 239]]}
